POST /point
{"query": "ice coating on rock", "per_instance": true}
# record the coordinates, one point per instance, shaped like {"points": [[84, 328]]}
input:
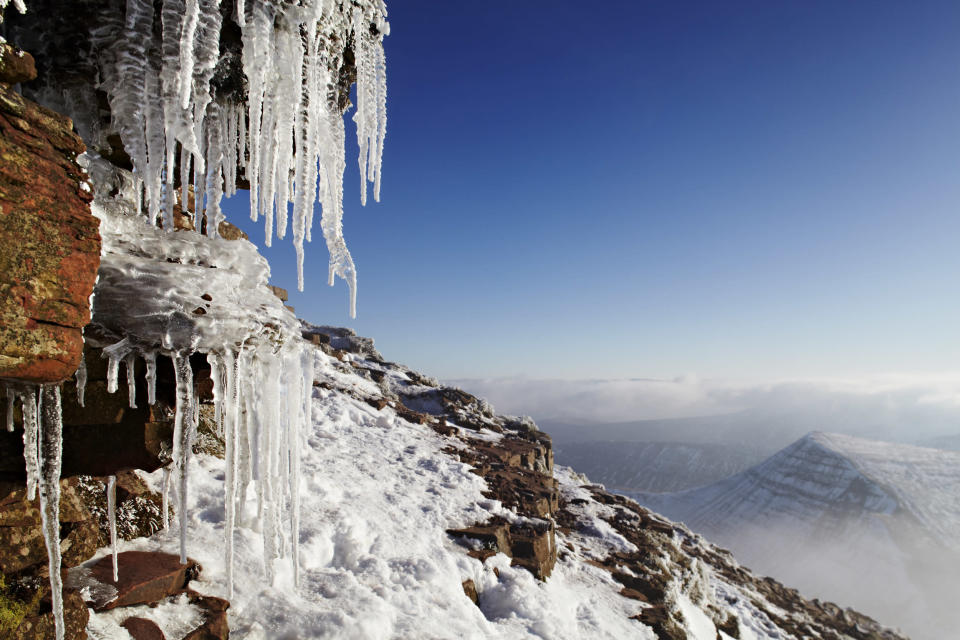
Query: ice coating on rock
{"points": [[112, 517], [51, 451], [178, 294], [288, 136], [81, 376]]}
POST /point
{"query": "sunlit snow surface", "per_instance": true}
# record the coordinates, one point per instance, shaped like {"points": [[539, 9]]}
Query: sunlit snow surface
{"points": [[378, 494]]}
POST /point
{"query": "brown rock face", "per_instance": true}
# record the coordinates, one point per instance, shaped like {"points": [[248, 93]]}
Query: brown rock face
{"points": [[22, 547], [41, 625], [49, 241], [137, 436]]}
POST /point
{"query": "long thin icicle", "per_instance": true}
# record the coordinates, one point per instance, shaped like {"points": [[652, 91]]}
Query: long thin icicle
{"points": [[11, 401], [81, 376], [51, 451], [183, 427], [150, 360], [233, 366], [31, 438], [129, 363], [165, 497], [112, 517]]}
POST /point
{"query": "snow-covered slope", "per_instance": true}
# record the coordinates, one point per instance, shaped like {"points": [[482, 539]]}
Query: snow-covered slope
{"points": [[655, 466], [865, 522], [383, 487]]}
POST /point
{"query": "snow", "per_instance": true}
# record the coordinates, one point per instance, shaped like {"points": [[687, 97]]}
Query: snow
{"points": [[376, 561]]}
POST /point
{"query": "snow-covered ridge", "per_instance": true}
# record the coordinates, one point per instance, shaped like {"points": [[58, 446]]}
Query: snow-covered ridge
{"points": [[924, 482], [838, 516]]}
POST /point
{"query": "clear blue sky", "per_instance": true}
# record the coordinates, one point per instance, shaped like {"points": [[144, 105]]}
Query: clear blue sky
{"points": [[655, 188]]}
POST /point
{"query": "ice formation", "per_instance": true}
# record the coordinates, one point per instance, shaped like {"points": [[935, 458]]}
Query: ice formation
{"points": [[163, 294], [287, 137], [191, 140], [19, 5], [112, 517], [50, 454]]}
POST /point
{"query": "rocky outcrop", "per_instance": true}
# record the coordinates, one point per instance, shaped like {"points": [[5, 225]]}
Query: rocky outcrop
{"points": [[50, 241], [83, 529]]}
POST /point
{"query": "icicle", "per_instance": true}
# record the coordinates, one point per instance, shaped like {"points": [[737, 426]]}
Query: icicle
{"points": [[165, 497], [51, 448], [245, 428], [31, 437], [371, 114], [112, 517], [113, 372], [150, 359], [129, 362], [127, 89], [11, 400], [268, 463], [183, 426], [216, 378], [187, 45], [156, 144], [81, 376], [214, 177], [233, 367], [185, 158]]}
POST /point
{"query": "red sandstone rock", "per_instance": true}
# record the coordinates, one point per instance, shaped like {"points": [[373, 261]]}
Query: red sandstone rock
{"points": [[215, 625], [49, 241], [145, 577]]}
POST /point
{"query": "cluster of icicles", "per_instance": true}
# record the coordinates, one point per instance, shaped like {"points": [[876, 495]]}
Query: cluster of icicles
{"points": [[42, 453], [261, 405], [289, 136]]}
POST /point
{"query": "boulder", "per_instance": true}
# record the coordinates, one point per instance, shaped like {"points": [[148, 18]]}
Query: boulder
{"points": [[49, 240], [143, 629], [215, 626], [16, 65], [144, 577]]}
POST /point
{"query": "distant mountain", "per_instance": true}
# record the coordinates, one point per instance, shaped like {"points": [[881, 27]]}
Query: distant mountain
{"points": [[870, 523], [655, 466]]}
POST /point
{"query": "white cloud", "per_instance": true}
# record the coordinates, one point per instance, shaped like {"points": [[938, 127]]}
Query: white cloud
{"points": [[913, 406]]}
